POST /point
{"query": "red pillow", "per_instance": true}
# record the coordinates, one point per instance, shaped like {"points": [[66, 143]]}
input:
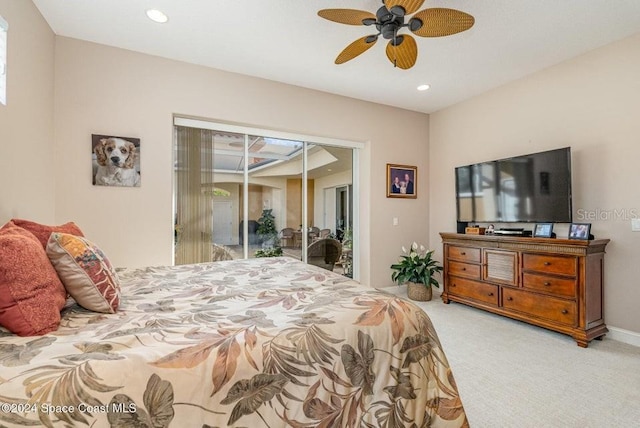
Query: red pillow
{"points": [[31, 294], [42, 231]]}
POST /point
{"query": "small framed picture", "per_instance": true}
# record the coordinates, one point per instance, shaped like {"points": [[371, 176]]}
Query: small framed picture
{"points": [[543, 230], [402, 181], [115, 160], [580, 231]]}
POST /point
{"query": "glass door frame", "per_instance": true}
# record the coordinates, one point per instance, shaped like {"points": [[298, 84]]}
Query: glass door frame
{"points": [[307, 140]]}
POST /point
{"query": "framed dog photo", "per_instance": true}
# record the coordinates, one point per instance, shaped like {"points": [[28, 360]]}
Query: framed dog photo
{"points": [[543, 230], [402, 181], [580, 231], [115, 161]]}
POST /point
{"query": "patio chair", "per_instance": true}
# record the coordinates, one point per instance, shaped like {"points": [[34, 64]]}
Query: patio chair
{"points": [[286, 237], [324, 253]]}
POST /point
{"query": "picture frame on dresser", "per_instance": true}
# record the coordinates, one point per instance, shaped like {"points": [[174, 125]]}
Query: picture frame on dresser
{"points": [[543, 230], [580, 231]]}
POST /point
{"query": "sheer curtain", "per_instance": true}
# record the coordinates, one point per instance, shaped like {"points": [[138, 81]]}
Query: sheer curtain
{"points": [[194, 205]]}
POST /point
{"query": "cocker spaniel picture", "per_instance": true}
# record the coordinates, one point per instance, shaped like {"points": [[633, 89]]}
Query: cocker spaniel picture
{"points": [[116, 161]]}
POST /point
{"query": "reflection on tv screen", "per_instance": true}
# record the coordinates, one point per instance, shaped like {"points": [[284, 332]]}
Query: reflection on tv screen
{"points": [[529, 188]]}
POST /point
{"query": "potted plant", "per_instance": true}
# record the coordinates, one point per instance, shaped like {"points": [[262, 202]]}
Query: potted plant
{"points": [[417, 268], [267, 229]]}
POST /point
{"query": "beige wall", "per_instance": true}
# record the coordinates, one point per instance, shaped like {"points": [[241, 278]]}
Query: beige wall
{"points": [[27, 169], [112, 91], [590, 103], [294, 202]]}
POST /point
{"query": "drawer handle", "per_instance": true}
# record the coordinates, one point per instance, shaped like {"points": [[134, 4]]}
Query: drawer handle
{"points": [[564, 311], [547, 263], [464, 268], [453, 285], [509, 298], [490, 294], [547, 284], [462, 253]]}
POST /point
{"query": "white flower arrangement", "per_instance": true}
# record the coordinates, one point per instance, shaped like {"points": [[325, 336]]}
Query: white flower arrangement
{"points": [[416, 265]]}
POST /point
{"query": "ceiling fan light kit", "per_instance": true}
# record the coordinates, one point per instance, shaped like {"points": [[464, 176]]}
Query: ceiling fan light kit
{"points": [[402, 49]]}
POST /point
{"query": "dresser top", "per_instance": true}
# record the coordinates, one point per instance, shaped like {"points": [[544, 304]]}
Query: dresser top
{"points": [[575, 246]]}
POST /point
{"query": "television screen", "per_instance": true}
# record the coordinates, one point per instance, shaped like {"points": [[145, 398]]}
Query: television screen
{"points": [[529, 188]]}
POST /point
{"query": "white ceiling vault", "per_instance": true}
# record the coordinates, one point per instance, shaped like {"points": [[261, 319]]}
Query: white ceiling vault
{"points": [[286, 41]]}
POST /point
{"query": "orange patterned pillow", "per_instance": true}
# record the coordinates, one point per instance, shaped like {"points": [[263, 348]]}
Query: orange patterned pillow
{"points": [[42, 231], [31, 294], [85, 272]]}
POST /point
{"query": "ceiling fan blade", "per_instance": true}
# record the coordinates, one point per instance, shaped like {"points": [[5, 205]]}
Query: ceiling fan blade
{"points": [[409, 6], [346, 16], [439, 21], [404, 53], [355, 49]]}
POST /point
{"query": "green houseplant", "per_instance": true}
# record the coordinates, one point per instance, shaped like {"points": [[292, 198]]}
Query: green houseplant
{"points": [[347, 256], [269, 252], [417, 268], [267, 229]]}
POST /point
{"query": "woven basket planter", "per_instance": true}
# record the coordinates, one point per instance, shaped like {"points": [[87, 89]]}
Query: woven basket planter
{"points": [[419, 292]]}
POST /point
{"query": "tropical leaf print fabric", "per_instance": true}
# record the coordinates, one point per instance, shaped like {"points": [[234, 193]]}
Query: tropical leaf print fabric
{"points": [[268, 342]]}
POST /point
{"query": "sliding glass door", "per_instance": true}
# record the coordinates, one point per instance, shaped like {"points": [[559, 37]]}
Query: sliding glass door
{"points": [[249, 194], [330, 173]]}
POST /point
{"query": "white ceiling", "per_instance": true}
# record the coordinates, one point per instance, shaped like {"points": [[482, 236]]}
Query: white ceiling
{"points": [[285, 41]]}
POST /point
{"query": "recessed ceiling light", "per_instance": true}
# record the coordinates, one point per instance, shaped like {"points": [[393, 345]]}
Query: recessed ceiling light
{"points": [[157, 16], [423, 87]]}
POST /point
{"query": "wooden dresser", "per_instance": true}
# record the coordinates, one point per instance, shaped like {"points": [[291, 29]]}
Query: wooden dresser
{"points": [[552, 283]]}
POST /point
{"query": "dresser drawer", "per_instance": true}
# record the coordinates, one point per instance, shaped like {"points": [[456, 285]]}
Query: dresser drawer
{"points": [[550, 264], [479, 291], [501, 266], [464, 254], [464, 269], [563, 287], [537, 305]]}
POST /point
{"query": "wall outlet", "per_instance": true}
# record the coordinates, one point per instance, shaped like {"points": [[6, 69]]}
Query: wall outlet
{"points": [[395, 221], [635, 224]]}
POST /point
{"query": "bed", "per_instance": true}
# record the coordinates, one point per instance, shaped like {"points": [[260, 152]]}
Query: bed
{"points": [[267, 342]]}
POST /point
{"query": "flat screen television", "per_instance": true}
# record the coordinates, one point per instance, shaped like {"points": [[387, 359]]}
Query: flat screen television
{"points": [[529, 188]]}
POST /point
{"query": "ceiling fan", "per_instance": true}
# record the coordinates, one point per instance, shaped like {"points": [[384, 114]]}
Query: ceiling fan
{"points": [[402, 49]]}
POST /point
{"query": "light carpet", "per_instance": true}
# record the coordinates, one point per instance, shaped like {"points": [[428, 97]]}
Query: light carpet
{"points": [[512, 374]]}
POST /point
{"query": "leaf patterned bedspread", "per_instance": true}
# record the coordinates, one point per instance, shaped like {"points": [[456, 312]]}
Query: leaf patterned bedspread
{"points": [[267, 342]]}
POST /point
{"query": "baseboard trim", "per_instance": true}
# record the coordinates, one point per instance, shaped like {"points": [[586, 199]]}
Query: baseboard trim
{"points": [[625, 336]]}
